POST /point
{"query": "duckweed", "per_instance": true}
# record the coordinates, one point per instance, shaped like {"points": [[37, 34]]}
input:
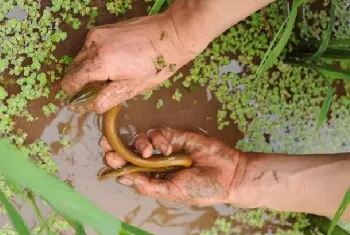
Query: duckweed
{"points": [[284, 103]]}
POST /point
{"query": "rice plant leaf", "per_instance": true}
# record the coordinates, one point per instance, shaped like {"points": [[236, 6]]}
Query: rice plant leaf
{"points": [[156, 7], [271, 55], [78, 227], [268, 52], [16, 219], [325, 107], [326, 70], [38, 212], [330, 54], [331, 72], [59, 195], [340, 211], [323, 224], [326, 34], [333, 44]]}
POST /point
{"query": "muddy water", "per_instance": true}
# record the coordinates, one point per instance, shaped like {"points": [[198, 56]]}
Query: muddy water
{"points": [[81, 161]]}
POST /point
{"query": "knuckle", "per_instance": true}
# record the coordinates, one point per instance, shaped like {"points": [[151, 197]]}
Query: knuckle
{"points": [[102, 50], [94, 33], [141, 190]]}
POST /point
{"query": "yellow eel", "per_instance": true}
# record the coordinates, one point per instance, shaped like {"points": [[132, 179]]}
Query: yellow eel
{"points": [[158, 163]]}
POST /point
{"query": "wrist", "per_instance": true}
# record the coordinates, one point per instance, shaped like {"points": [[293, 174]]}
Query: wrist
{"points": [[238, 177], [183, 16]]}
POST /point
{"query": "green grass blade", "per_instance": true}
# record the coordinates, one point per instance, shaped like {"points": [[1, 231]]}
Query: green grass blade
{"points": [[323, 224], [78, 227], [327, 71], [322, 117], [39, 214], [340, 211], [169, 2], [272, 54], [329, 54], [341, 44], [334, 73], [156, 7], [16, 218], [270, 48], [326, 35], [62, 197]]}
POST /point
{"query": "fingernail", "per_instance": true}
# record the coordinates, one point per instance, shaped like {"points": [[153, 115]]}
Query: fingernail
{"points": [[125, 181], [142, 147], [163, 148]]}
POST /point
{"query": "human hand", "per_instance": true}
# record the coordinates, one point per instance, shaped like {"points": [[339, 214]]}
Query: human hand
{"points": [[136, 56], [216, 172]]}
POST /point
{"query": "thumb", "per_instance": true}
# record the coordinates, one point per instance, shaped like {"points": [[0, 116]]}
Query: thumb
{"points": [[157, 188]]}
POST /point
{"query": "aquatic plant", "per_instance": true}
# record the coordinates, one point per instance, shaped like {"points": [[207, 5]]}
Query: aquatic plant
{"points": [[283, 104], [60, 196]]}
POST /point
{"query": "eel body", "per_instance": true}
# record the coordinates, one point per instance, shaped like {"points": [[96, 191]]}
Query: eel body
{"points": [[158, 163]]}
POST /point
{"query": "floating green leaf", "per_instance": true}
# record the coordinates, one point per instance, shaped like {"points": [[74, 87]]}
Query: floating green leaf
{"points": [[63, 198], [3, 64], [340, 211], [272, 54], [15, 217]]}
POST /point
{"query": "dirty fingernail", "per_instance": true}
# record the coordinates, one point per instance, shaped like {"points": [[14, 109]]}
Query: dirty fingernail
{"points": [[126, 181]]}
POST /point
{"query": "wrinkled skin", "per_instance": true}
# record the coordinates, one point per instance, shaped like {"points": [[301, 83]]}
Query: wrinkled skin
{"points": [[211, 179], [126, 53]]}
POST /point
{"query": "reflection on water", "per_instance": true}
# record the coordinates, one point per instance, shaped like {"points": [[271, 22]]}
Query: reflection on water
{"points": [[18, 13]]}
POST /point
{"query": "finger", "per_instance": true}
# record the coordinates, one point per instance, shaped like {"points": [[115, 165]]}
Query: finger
{"points": [[161, 189], [113, 94], [93, 68], [81, 56], [142, 145], [105, 145], [185, 140], [159, 141], [113, 160]]}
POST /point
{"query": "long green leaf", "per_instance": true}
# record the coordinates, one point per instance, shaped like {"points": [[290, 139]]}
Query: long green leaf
{"points": [[269, 49], [341, 44], [63, 198], [340, 211], [271, 55], [156, 7], [323, 224], [330, 54], [79, 228], [15, 217], [326, 35], [332, 72], [325, 107], [39, 214], [326, 70]]}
